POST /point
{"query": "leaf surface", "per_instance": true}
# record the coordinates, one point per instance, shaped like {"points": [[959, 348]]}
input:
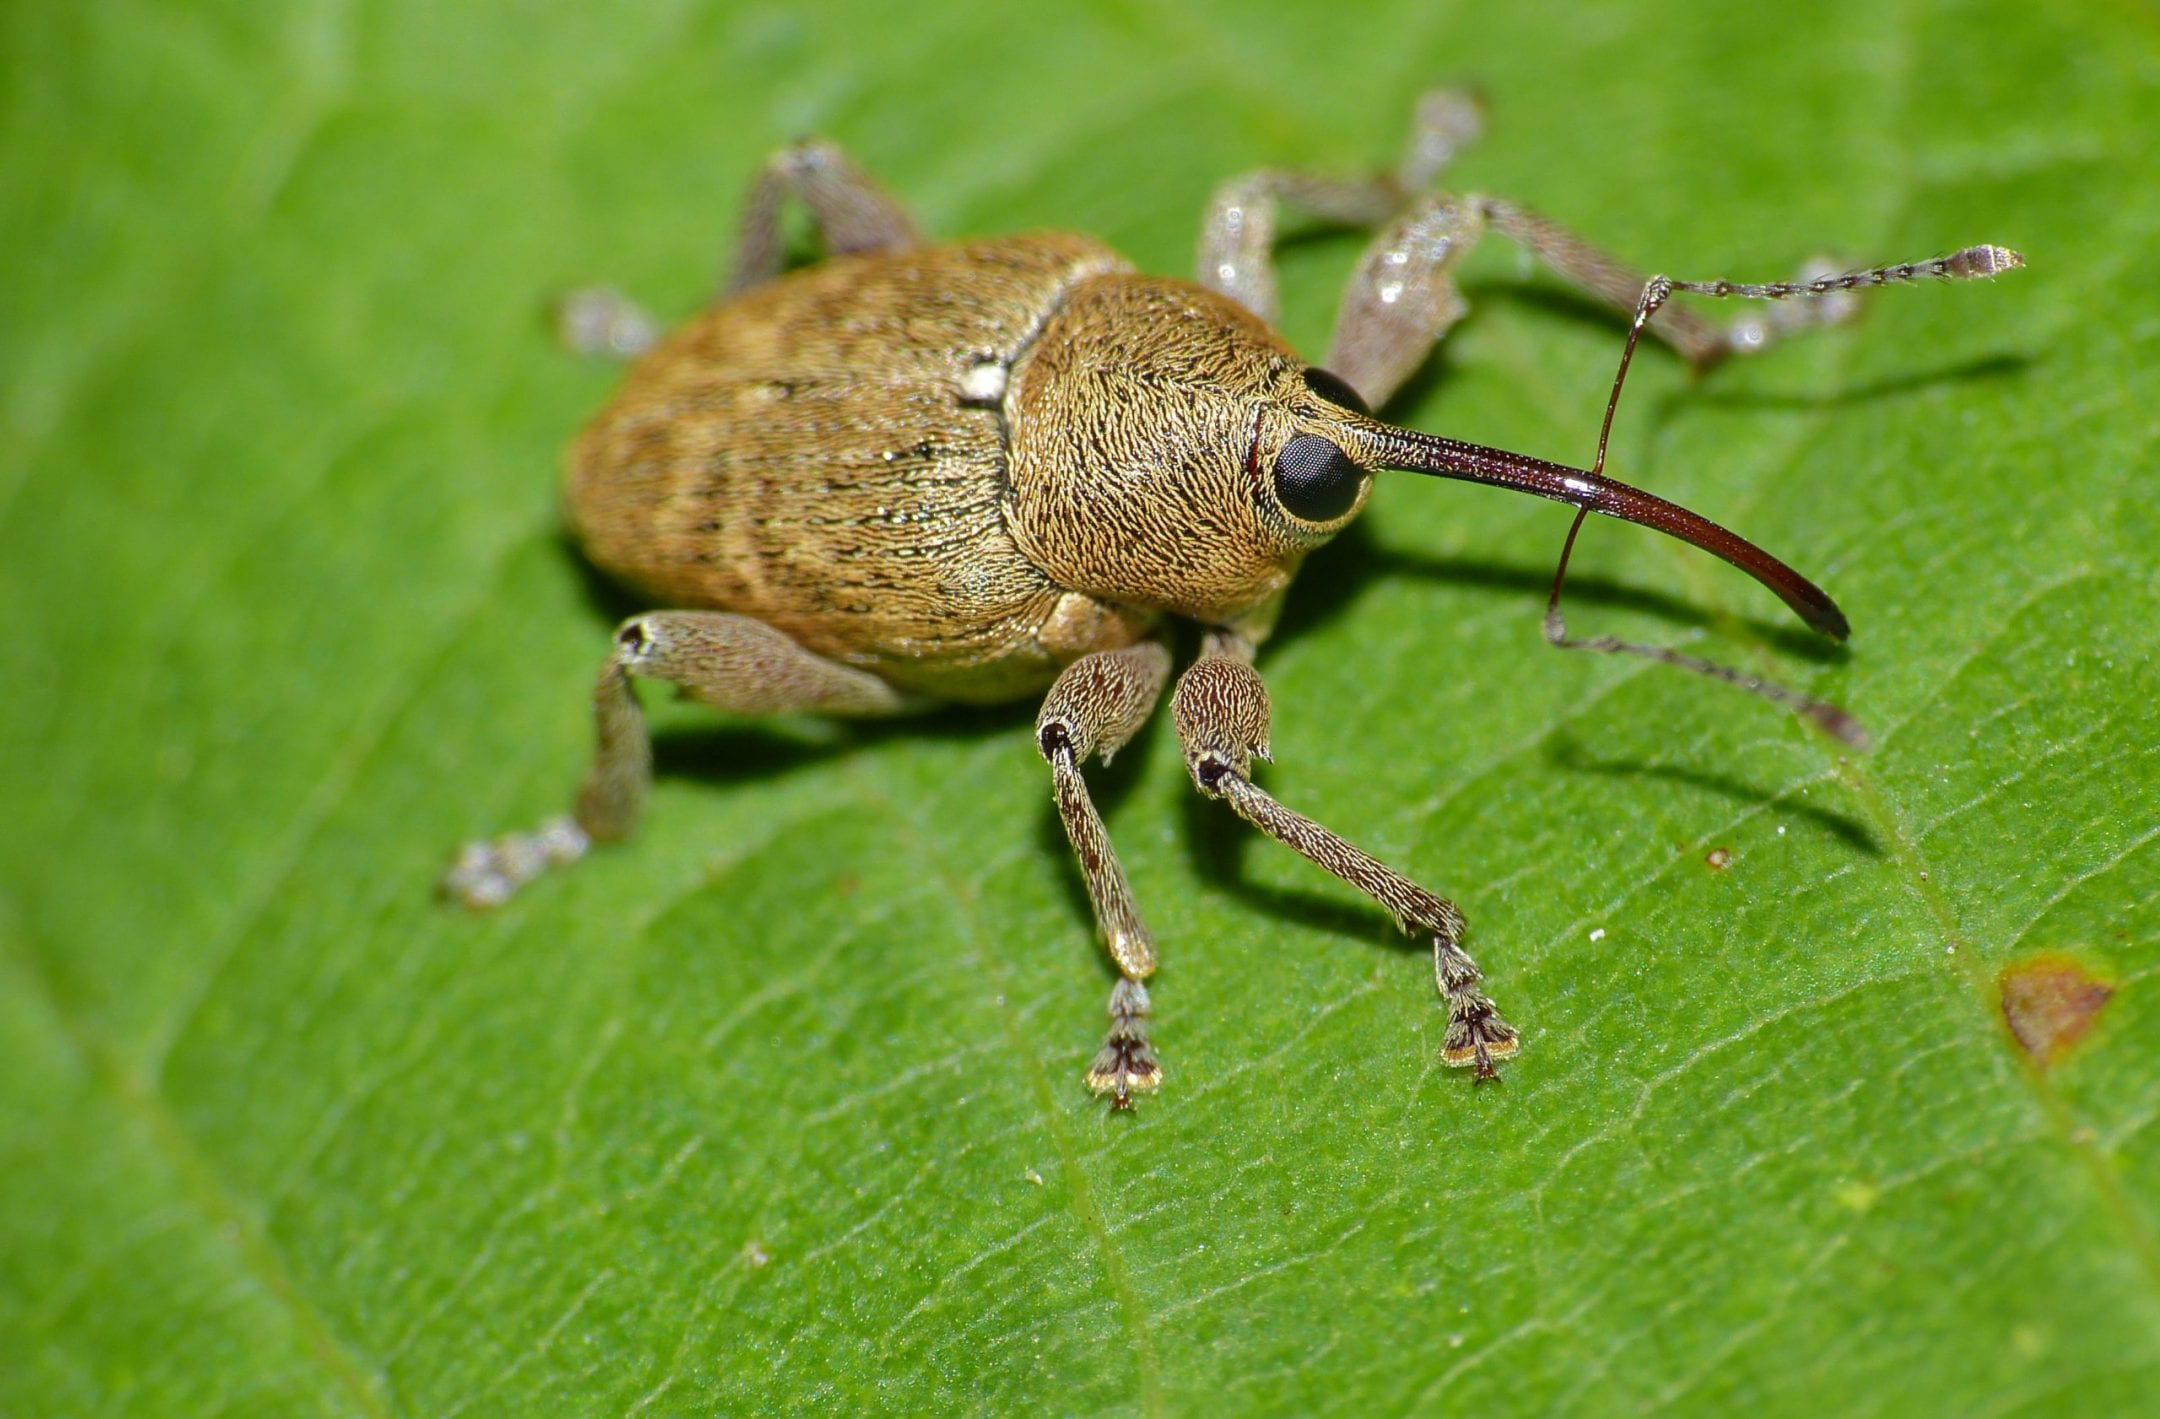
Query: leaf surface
{"points": [[779, 1109]]}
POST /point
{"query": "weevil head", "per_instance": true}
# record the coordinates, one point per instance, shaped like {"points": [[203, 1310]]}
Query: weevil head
{"points": [[1170, 451]]}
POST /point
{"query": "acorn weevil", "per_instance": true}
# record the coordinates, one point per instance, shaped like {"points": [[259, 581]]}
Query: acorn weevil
{"points": [[916, 473]]}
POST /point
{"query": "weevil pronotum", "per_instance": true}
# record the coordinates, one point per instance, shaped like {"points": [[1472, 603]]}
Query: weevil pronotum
{"points": [[917, 473]]}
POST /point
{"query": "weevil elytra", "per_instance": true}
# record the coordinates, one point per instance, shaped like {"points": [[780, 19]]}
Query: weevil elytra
{"points": [[917, 473]]}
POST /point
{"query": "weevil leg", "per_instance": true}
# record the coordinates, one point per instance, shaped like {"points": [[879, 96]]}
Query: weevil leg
{"points": [[1445, 122], [1402, 296], [730, 662], [1237, 237], [1221, 710], [851, 210], [1096, 705], [600, 320], [1590, 269]]}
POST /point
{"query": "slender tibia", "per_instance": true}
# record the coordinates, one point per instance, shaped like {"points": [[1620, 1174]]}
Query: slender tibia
{"points": [[730, 662], [1476, 1033], [1221, 709], [850, 210], [1096, 706]]}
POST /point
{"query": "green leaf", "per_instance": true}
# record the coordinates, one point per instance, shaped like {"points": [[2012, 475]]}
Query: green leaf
{"points": [[780, 1107]]}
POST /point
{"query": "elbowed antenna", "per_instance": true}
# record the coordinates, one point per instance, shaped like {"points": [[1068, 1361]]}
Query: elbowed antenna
{"points": [[1414, 452], [1589, 490]]}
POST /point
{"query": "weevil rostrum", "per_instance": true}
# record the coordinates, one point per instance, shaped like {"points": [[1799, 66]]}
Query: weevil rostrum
{"points": [[914, 473]]}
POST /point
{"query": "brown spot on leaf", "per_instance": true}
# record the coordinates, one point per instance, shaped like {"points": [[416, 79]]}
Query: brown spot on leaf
{"points": [[1718, 859], [2049, 1002]]}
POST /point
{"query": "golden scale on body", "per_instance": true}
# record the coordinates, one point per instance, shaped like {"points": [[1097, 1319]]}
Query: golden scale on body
{"points": [[918, 473]]}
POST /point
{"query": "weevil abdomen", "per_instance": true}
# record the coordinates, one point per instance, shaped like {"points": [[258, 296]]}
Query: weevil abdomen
{"points": [[827, 453]]}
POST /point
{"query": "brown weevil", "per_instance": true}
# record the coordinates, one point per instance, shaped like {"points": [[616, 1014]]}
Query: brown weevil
{"points": [[916, 473]]}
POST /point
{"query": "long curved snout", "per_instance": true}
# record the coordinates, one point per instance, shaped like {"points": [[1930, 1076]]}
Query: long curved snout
{"points": [[1407, 450]]}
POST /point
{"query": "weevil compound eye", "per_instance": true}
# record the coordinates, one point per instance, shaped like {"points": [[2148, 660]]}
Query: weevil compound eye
{"points": [[1315, 480]]}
